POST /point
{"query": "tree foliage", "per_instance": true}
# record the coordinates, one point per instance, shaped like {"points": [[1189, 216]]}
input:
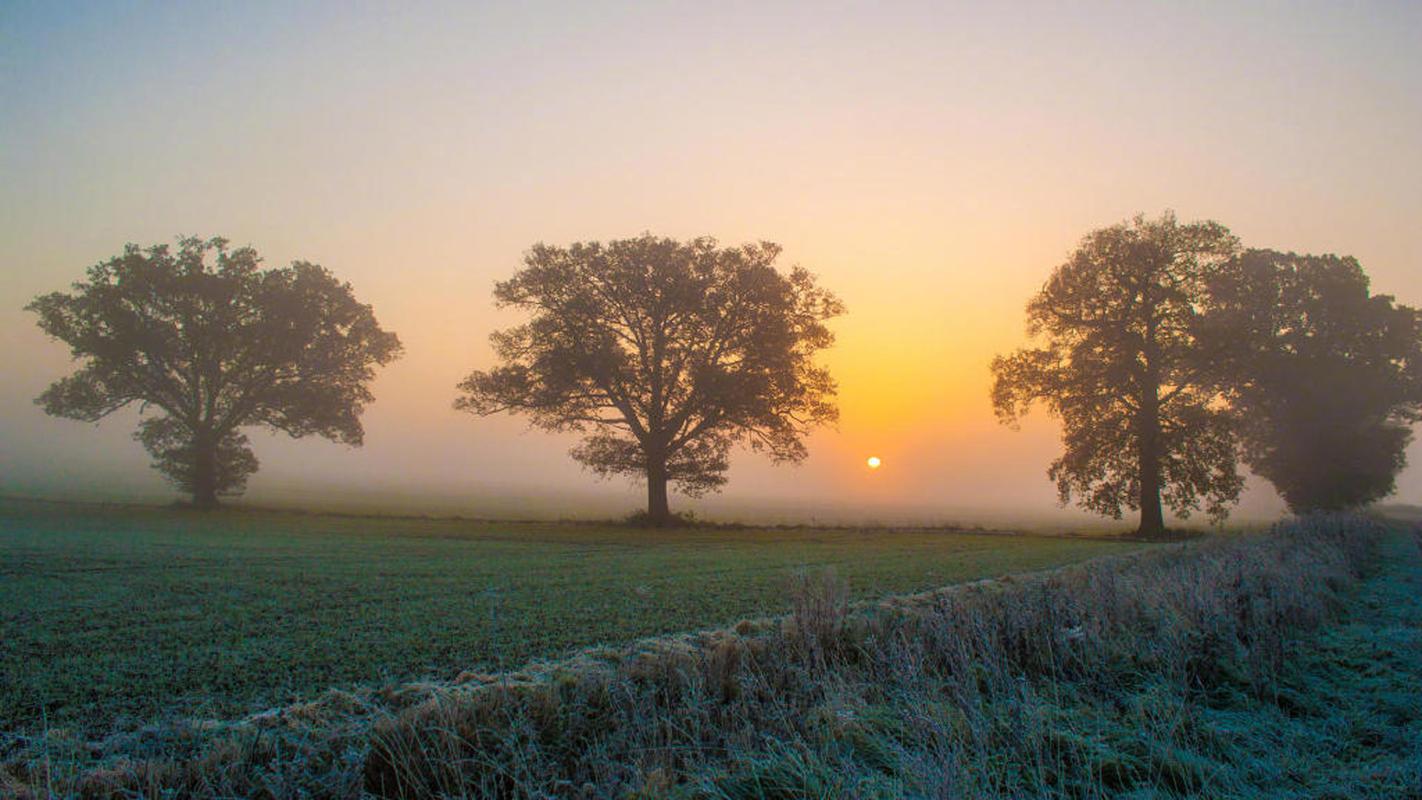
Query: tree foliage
{"points": [[665, 354], [1126, 368], [176, 454], [213, 343], [1325, 377]]}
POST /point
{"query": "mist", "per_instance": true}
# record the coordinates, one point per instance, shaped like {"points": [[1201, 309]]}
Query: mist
{"points": [[928, 173]]}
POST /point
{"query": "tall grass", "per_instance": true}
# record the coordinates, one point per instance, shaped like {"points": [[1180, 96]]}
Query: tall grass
{"points": [[937, 695], [1087, 681]]}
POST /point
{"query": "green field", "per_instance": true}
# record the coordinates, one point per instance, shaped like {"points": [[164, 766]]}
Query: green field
{"points": [[111, 618]]}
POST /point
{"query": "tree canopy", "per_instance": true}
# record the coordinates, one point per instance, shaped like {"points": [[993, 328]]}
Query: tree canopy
{"points": [[1125, 366], [214, 343], [1325, 378], [665, 354]]}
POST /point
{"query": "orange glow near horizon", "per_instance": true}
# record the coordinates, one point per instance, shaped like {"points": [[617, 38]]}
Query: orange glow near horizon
{"points": [[930, 165]]}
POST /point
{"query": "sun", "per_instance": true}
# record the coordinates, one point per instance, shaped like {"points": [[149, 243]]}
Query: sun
{"points": [[873, 462]]}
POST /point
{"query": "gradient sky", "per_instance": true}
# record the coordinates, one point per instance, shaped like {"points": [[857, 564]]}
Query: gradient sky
{"points": [[931, 164]]}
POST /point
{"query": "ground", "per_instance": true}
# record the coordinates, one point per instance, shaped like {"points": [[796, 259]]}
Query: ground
{"points": [[1346, 716], [119, 617], [1342, 718]]}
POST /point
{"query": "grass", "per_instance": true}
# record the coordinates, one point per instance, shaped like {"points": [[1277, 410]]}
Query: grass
{"points": [[1283, 664], [112, 619]]}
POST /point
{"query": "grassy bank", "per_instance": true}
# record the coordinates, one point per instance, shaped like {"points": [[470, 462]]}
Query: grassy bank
{"points": [[113, 619], [1282, 665], [1175, 673]]}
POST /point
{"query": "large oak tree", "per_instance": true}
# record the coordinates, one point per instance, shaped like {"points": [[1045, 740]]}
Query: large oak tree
{"points": [[213, 343], [1325, 377], [665, 353], [1123, 366]]}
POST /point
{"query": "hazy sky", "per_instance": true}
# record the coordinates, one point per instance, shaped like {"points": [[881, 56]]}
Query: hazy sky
{"points": [[930, 163]]}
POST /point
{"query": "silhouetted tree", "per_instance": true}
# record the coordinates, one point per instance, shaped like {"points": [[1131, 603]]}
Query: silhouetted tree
{"points": [[1326, 378], [214, 345], [665, 353], [1123, 368]]}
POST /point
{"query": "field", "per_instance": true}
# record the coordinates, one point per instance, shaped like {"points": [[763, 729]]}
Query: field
{"points": [[1282, 664], [112, 618]]}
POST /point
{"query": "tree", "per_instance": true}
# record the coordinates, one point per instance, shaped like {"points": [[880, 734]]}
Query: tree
{"points": [[665, 354], [1124, 369], [214, 345], [1325, 378]]}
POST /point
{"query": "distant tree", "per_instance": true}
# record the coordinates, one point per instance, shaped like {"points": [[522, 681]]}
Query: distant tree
{"points": [[665, 353], [1325, 378], [214, 346], [1123, 368]]}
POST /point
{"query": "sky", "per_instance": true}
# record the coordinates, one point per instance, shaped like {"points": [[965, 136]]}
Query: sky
{"points": [[931, 163]]}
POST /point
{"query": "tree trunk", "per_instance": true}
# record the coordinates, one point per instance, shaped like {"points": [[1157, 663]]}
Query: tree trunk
{"points": [[1152, 517], [204, 473], [658, 512]]}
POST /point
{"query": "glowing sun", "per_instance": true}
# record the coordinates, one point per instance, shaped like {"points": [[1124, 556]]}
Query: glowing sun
{"points": [[873, 462]]}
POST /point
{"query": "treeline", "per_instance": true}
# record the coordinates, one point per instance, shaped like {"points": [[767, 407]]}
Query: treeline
{"points": [[1168, 351], [665, 354]]}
